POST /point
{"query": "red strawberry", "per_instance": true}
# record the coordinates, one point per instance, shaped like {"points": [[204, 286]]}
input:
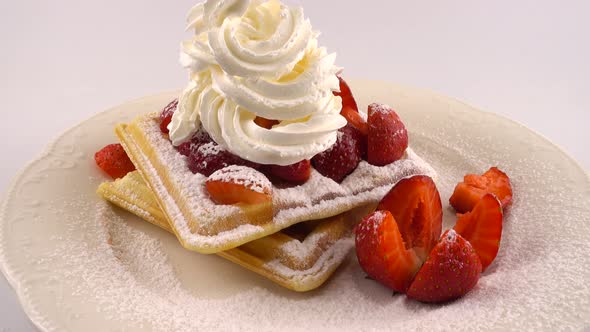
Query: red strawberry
{"points": [[482, 227], [355, 119], [199, 139], [346, 95], [342, 158], [265, 123], [296, 173], [166, 115], [114, 161], [415, 204], [382, 253], [451, 270], [388, 138], [239, 184], [350, 110], [468, 193], [393, 242], [211, 157]]}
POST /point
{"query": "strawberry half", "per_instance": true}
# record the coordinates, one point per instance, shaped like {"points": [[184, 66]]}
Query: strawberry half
{"points": [[388, 137], [451, 270], [393, 242], [416, 206], [296, 173], [382, 253], [114, 161], [482, 227], [468, 193], [239, 184]]}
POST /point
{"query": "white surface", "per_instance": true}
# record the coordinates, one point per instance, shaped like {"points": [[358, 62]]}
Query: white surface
{"points": [[63, 61], [80, 267]]}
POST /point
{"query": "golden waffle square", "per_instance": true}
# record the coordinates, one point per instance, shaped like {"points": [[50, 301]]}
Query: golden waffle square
{"points": [[300, 258], [206, 227]]}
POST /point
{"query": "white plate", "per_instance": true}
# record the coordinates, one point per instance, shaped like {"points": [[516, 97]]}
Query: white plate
{"points": [[76, 265]]}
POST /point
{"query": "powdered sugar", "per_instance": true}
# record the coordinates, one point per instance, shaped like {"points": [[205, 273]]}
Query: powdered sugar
{"points": [[245, 176]]}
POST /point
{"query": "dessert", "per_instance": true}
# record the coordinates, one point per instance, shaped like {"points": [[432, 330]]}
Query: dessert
{"points": [[300, 258], [262, 95], [266, 138]]}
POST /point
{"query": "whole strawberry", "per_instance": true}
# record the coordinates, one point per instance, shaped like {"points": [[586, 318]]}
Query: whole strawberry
{"points": [[343, 157], [114, 161], [451, 270], [166, 115], [388, 137], [297, 173]]}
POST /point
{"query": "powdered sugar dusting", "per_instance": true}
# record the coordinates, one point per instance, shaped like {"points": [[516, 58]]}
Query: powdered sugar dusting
{"points": [[242, 175]]}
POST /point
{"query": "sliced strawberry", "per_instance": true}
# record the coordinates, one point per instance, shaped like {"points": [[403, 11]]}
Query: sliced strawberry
{"points": [[388, 138], [382, 253], [393, 242], [166, 115], [482, 227], [355, 119], [114, 161], [342, 158], [265, 123], [350, 110], [239, 184], [296, 173], [346, 95], [415, 204], [451, 270], [468, 193]]}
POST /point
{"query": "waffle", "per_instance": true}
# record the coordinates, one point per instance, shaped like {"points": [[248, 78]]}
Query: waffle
{"points": [[299, 258], [203, 226]]}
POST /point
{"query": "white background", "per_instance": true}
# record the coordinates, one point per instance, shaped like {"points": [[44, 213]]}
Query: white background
{"points": [[64, 60]]}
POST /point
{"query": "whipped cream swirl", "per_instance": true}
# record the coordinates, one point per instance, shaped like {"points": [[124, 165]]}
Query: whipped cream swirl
{"points": [[252, 59]]}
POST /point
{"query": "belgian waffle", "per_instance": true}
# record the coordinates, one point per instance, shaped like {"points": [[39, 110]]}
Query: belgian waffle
{"points": [[206, 227], [299, 258]]}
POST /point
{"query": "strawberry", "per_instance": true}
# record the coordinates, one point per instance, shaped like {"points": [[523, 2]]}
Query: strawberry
{"points": [[451, 270], [114, 161], [474, 187], [350, 110], [265, 123], [382, 253], [482, 227], [388, 138], [211, 157], [166, 115], [346, 95], [416, 206], [393, 242], [199, 139], [239, 184], [296, 173], [342, 158]]}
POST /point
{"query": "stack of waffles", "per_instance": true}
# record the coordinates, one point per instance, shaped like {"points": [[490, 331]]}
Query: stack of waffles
{"points": [[298, 241]]}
